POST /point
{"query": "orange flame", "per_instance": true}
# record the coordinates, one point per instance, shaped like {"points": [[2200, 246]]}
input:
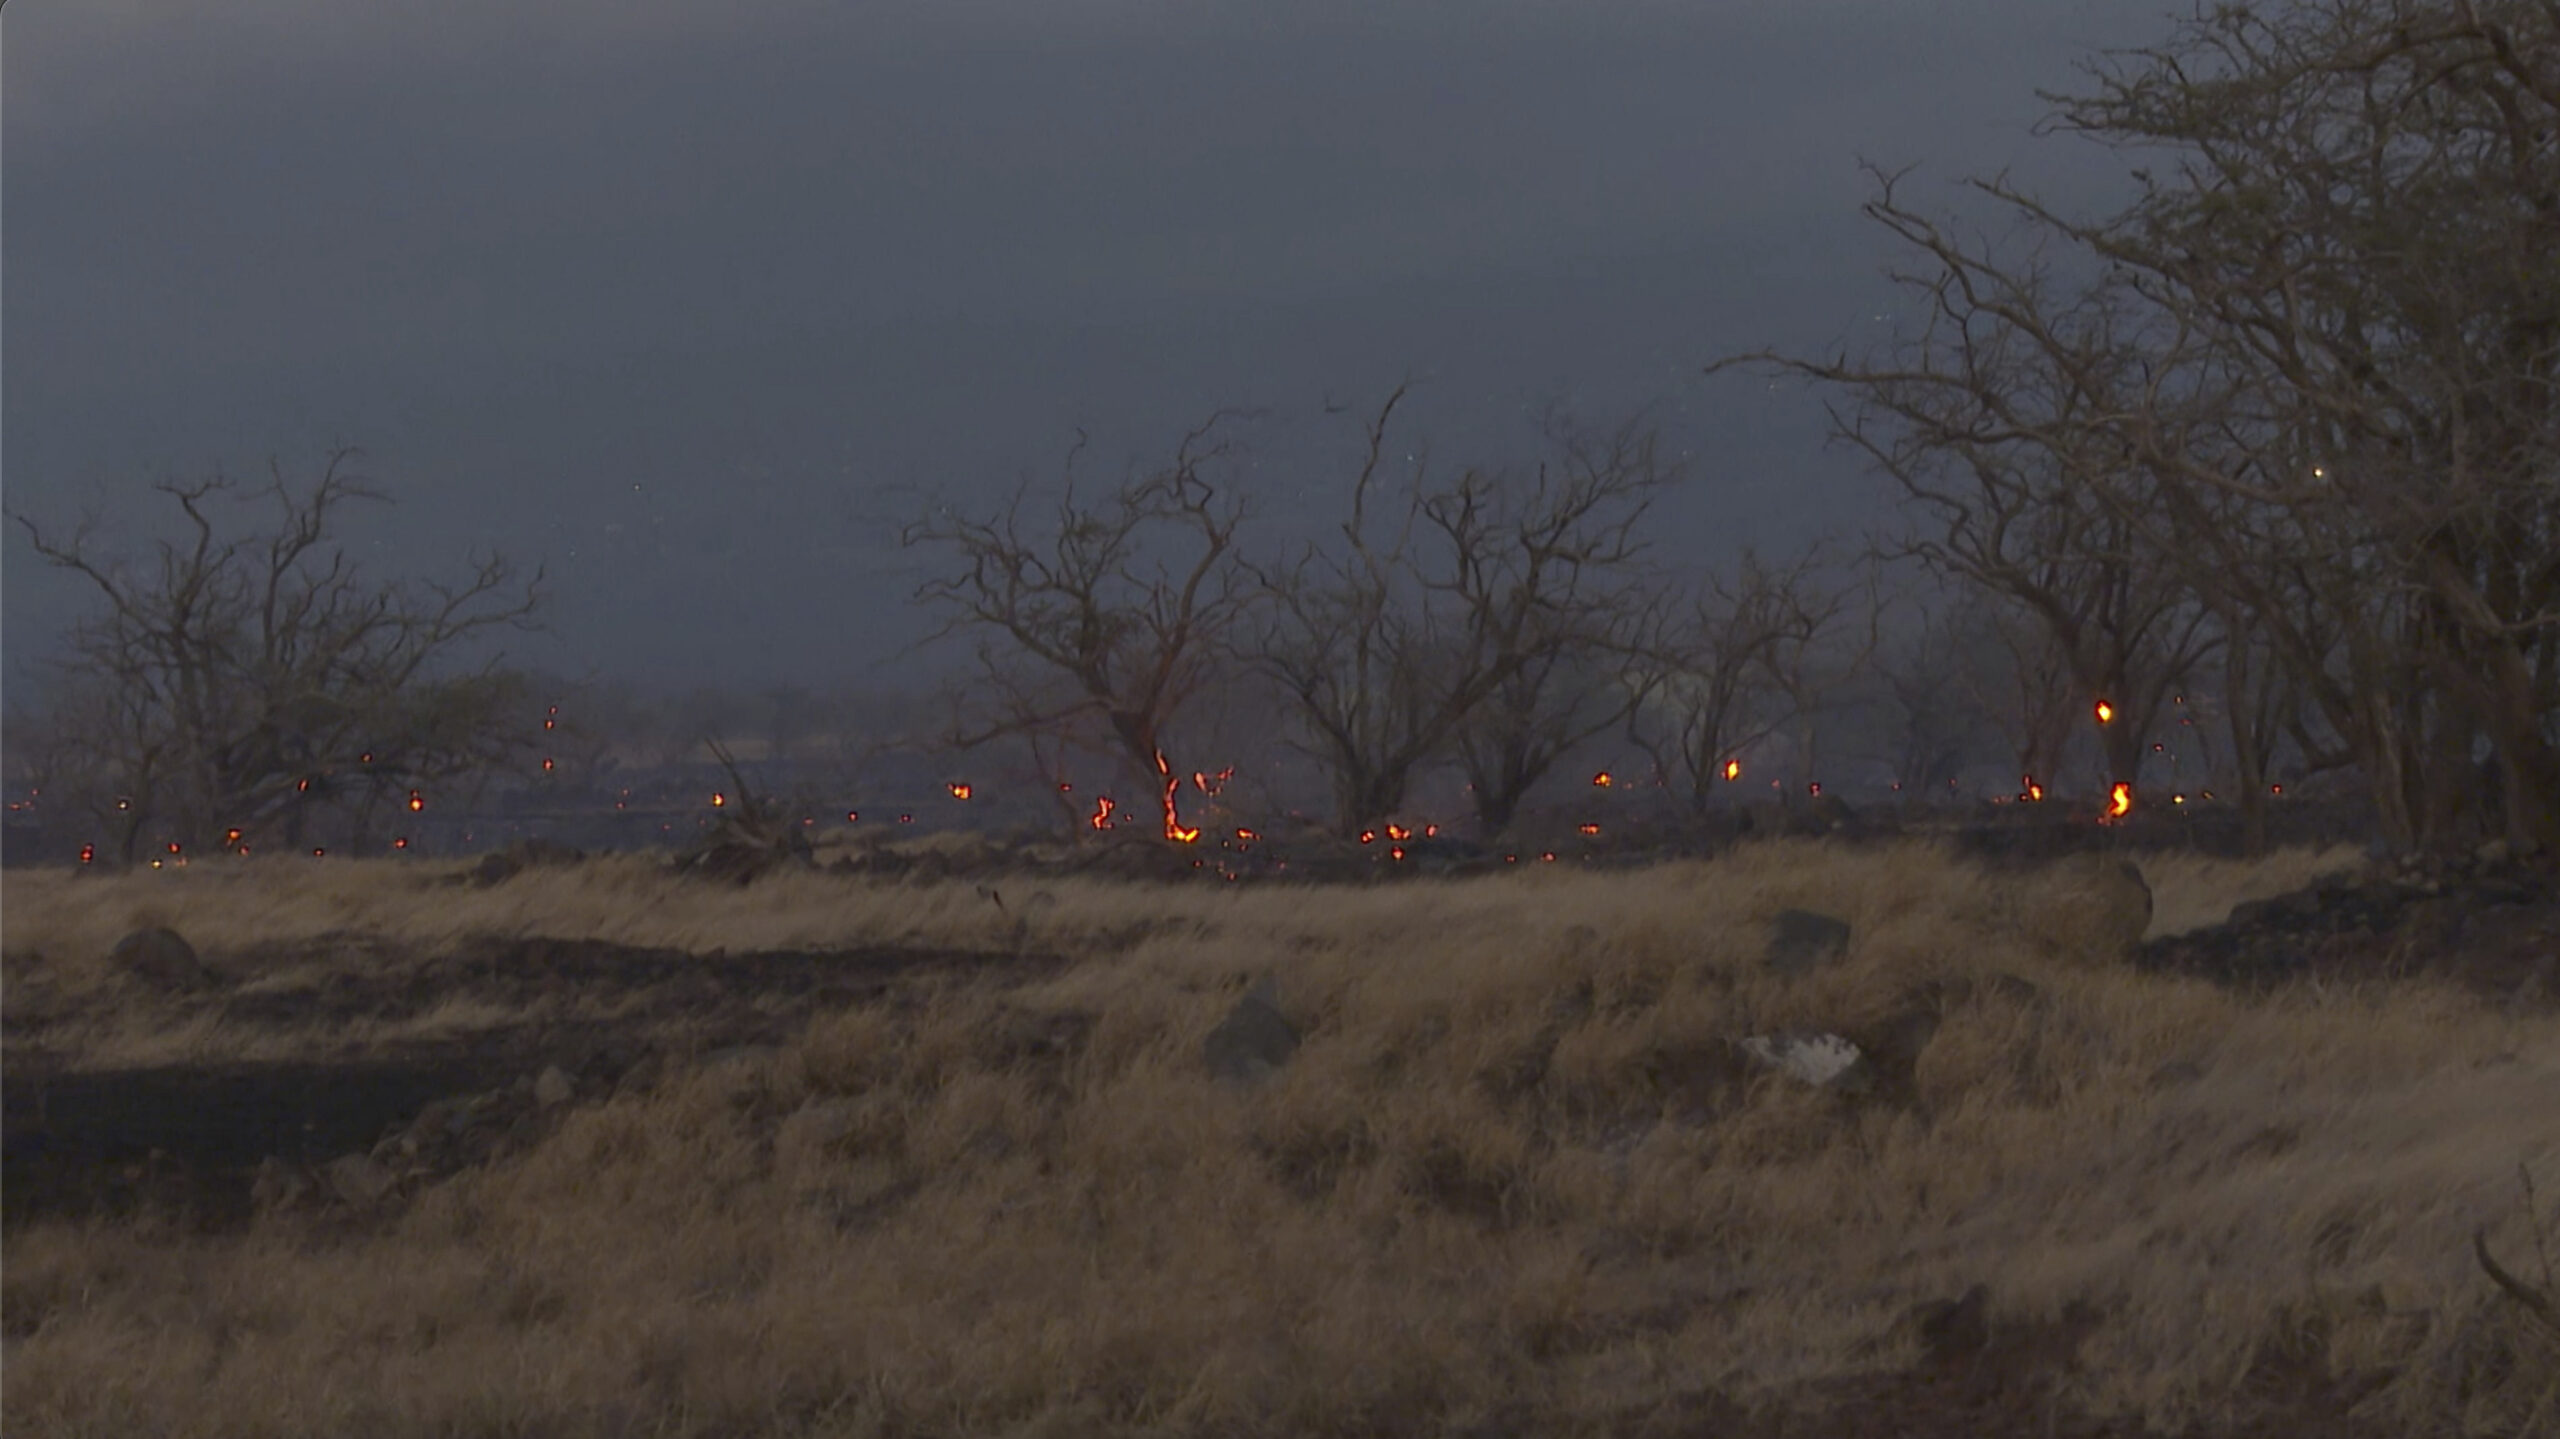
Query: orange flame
{"points": [[1248, 836], [1368, 836], [1732, 770], [400, 843], [1602, 779], [1589, 828], [417, 801], [2119, 800], [1397, 831], [1102, 808], [959, 789], [718, 799], [2105, 712], [1173, 827], [231, 836]]}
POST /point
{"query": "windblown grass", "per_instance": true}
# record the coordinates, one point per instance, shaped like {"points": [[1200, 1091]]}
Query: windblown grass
{"points": [[1512, 1170]]}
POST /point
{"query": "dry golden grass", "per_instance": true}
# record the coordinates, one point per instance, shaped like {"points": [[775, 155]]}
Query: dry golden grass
{"points": [[1391, 1237]]}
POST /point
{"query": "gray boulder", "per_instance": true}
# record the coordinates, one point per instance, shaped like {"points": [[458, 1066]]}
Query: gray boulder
{"points": [[162, 958], [1253, 1041], [1801, 941]]}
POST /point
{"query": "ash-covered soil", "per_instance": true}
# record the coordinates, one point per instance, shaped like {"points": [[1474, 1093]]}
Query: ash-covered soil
{"points": [[192, 1141]]}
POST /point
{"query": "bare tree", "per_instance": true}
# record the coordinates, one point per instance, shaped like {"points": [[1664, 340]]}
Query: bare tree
{"points": [[1722, 677], [1088, 634], [1582, 669], [1436, 597], [250, 683]]}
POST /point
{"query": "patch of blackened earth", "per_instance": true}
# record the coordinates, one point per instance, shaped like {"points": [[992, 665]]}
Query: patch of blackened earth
{"points": [[190, 1141], [2492, 929], [1979, 1378]]}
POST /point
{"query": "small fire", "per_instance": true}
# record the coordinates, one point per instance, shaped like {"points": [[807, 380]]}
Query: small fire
{"points": [[1398, 832], [1211, 784], [1732, 770], [2119, 800], [1396, 852], [1247, 835], [546, 764], [2028, 789], [960, 789], [400, 843], [173, 846], [1431, 831], [718, 799], [1588, 828], [1368, 836], [231, 836], [1174, 829], [2105, 712], [88, 853], [1102, 808], [417, 801], [1602, 779]]}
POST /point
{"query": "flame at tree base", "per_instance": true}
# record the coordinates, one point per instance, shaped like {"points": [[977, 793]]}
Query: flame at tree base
{"points": [[1173, 826]]}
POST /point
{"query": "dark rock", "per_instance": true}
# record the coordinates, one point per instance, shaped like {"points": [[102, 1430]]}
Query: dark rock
{"points": [[1801, 941], [1253, 1041], [162, 958]]}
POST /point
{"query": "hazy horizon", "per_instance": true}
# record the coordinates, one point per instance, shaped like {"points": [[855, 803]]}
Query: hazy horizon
{"points": [[688, 305]]}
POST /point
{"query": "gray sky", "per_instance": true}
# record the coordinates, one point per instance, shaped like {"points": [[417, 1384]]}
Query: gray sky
{"points": [[667, 295]]}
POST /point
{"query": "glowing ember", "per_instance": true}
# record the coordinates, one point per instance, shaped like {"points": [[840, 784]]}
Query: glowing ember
{"points": [[906, 819], [231, 836], [173, 846], [1549, 856], [2105, 712], [1212, 783], [1397, 831], [2119, 800], [2177, 799], [318, 853], [959, 789], [546, 764], [88, 852], [1173, 827], [1396, 853], [1247, 835], [1732, 770], [1065, 788], [400, 843], [2275, 789], [298, 787], [366, 757], [1102, 808], [1431, 831], [1368, 836], [124, 804], [718, 799], [852, 815], [1602, 779], [417, 801], [1588, 828]]}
